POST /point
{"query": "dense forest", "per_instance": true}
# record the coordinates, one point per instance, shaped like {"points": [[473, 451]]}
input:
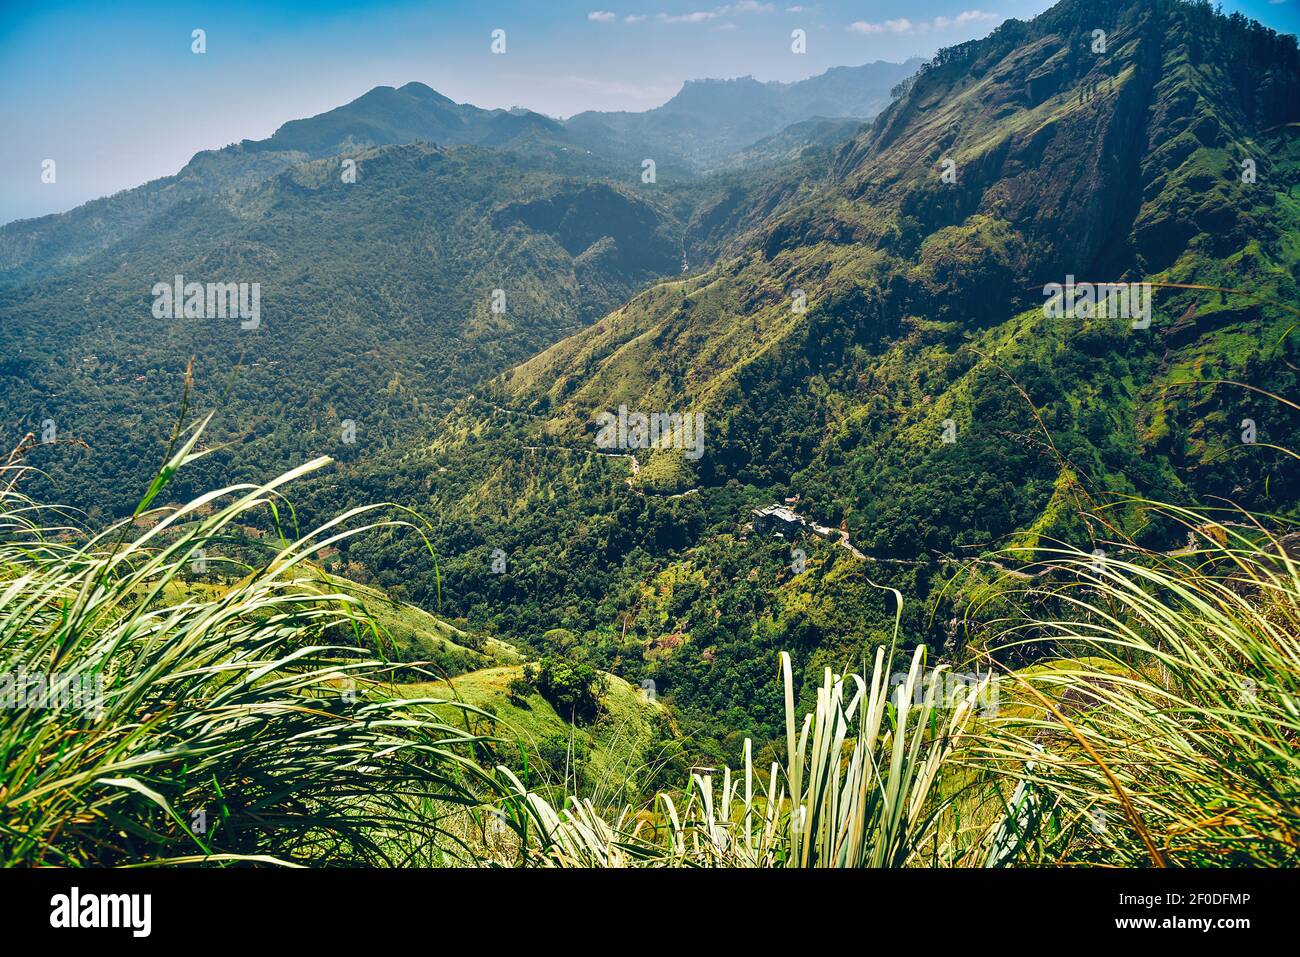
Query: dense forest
{"points": [[925, 319], [858, 316]]}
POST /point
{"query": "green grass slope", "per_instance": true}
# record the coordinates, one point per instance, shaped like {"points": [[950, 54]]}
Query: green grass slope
{"points": [[622, 753]]}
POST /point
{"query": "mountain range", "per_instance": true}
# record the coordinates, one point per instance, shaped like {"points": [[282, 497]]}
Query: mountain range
{"points": [[860, 315], [703, 124], [877, 347], [709, 120]]}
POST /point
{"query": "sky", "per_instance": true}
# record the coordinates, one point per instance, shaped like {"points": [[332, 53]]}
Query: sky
{"points": [[114, 93]]}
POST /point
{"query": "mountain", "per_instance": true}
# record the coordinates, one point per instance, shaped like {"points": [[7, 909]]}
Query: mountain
{"points": [[793, 142], [703, 124], [413, 112], [378, 300], [927, 400], [708, 120], [856, 91], [866, 328], [398, 267], [1119, 166], [384, 116]]}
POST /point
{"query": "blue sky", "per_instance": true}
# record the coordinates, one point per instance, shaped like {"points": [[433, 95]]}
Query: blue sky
{"points": [[113, 93]]}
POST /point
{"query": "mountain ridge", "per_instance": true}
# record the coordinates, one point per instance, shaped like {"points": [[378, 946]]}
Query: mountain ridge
{"points": [[708, 120], [383, 115], [925, 318]]}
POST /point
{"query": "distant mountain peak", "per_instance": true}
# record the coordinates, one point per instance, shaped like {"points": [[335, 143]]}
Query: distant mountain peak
{"points": [[722, 81], [425, 92], [709, 121]]}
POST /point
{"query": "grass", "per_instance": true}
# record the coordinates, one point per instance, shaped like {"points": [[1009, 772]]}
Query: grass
{"points": [[393, 629], [250, 722], [857, 787], [218, 725], [609, 759], [1168, 733]]}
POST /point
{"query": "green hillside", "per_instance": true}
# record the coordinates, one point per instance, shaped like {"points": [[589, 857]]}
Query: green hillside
{"points": [[378, 303], [627, 751], [622, 750], [925, 304]]}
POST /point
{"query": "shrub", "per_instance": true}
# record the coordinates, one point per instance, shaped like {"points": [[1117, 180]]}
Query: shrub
{"points": [[574, 690]]}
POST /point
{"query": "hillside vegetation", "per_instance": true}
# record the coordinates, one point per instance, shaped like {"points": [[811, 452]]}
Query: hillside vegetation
{"points": [[1094, 512], [222, 725], [925, 317]]}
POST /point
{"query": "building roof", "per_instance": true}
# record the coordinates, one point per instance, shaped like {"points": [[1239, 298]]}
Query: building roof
{"points": [[781, 512]]}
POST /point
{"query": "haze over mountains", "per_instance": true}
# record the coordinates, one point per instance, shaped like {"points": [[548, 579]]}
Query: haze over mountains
{"points": [[704, 124], [711, 119], [834, 299]]}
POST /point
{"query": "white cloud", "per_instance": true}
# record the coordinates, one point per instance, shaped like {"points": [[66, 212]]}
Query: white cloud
{"points": [[634, 18], [704, 16], [904, 26], [901, 25], [699, 16], [601, 16], [965, 17]]}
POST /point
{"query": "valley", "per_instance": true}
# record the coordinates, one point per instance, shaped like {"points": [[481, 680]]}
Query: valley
{"points": [[925, 378]]}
